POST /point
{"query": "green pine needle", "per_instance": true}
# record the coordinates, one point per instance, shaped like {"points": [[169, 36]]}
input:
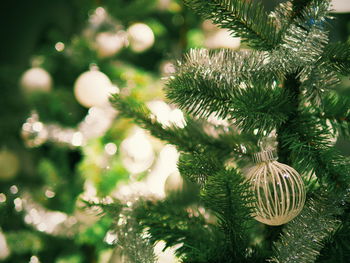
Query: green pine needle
{"points": [[303, 238], [246, 19]]}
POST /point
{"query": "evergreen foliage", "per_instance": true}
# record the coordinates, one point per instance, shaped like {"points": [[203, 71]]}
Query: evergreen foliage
{"points": [[284, 86]]}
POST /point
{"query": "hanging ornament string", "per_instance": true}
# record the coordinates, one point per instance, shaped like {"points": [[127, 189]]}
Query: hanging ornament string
{"points": [[279, 189]]}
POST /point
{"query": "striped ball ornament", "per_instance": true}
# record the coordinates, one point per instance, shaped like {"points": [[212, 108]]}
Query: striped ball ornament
{"points": [[279, 190]]}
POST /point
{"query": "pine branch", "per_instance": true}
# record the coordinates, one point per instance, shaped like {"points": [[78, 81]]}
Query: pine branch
{"points": [[299, 48], [337, 247], [317, 81], [286, 13], [198, 167], [232, 66], [299, 5], [336, 110], [337, 56], [179, 226], [191, 138], [207, 83], [202, 88], [310, 151], [132, 245], [246, 19], [230, 198], [303, 238], [305, 14]]}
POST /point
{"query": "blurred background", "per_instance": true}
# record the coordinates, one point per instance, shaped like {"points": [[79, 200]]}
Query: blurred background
{"points": [[61, 141]]}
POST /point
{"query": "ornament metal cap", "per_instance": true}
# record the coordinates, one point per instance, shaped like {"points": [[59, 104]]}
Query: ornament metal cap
{"points": [[265, 156]]}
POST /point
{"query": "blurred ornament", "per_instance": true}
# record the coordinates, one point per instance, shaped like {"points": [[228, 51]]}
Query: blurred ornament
{"points": [[9, 165], [2, 198], [279, 189], [95, 124], [167, 68], [59, 46], [165, 115], [174, 183], [98, 17], [160, 110], [108, 44], [93, 88], [153, 185], [165, 255], [177, 118], [111, 148], [164, 4], [137, 153], [340, 6], [36, 79], [4, 249], [218, 37], [141, 37], [97, 121]]}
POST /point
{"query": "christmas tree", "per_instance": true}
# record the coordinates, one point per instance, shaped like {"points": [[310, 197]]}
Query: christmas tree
{"points": [[249, 165], [278, 96]]}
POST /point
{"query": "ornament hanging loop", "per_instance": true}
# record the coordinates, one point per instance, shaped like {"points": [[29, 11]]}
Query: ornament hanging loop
{"points": [[265, 156]]}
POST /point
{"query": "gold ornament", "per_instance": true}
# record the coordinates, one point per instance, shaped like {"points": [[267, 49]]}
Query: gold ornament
{"points": [[279, 190]]}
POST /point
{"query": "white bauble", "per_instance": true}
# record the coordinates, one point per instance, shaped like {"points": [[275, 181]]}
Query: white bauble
{"points": [[164, 4], [174, 183], [160, 110], [218, 37], [92, 88], [108, 44], [165, 115], [165, 255], [141, 37], [36, 79], [4, 249], [9, 165], [222, 39], [137, 152], [340, 6]]}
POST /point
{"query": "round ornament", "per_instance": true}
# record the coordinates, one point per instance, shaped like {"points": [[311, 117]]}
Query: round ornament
{"points": [[165, 254], [218, 37], [279, 190], [141, 37], [4, 248], [9, 165], [137, 152], [92, 88], [108, 44], [36, 79], [174, 183]]}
